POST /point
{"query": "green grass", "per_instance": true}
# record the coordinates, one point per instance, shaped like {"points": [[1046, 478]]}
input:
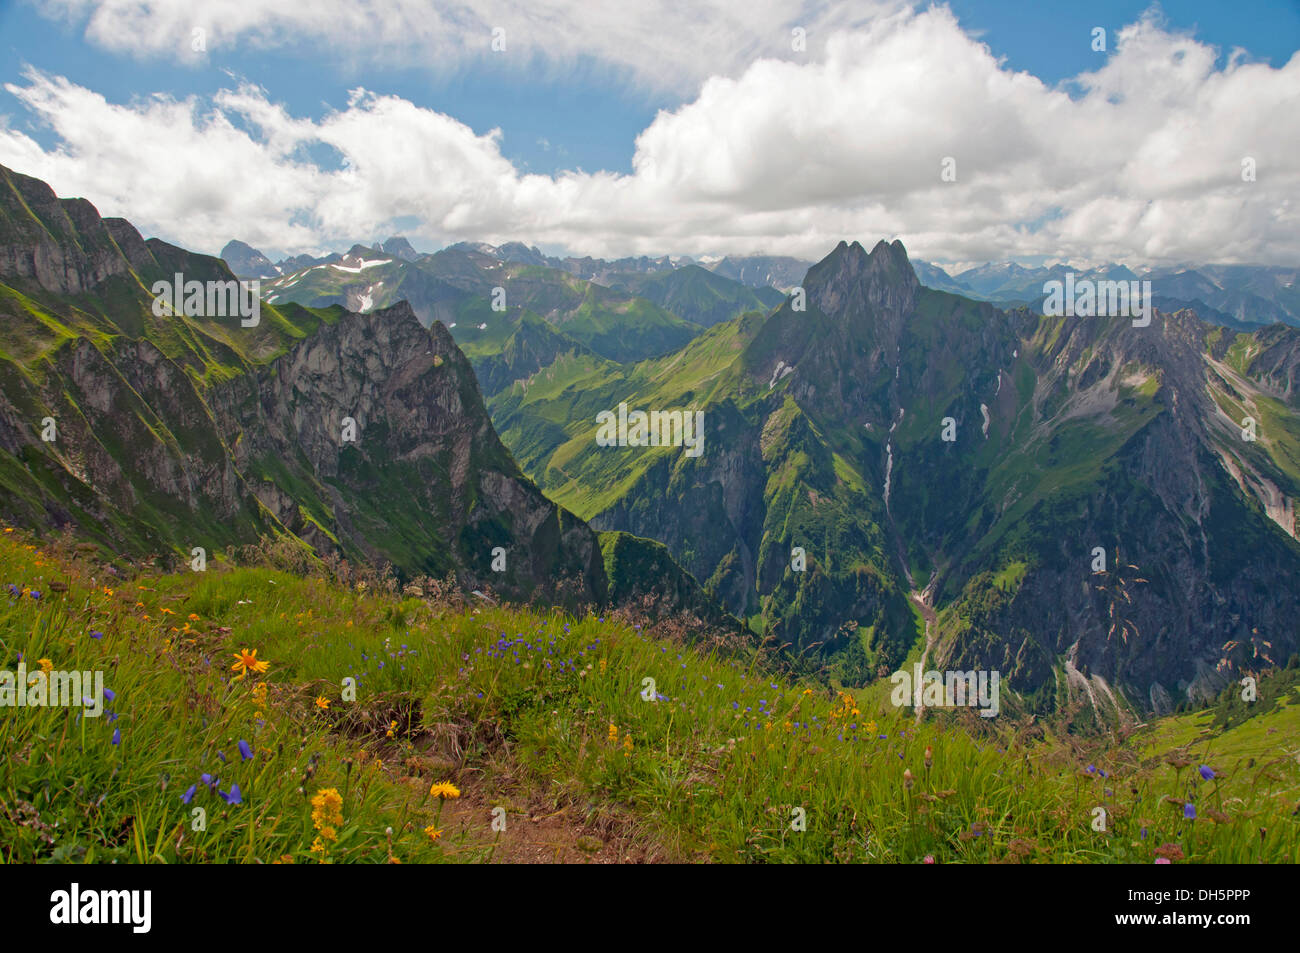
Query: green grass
{"points": [[510, 704]]}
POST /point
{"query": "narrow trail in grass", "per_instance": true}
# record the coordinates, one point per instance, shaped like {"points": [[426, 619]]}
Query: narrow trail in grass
{"points": [[537, 832], [922, 600]]}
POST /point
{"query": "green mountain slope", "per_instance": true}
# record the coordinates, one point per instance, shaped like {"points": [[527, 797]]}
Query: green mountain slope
{"points": [[360, 435], [698, 295], [825, 430]]}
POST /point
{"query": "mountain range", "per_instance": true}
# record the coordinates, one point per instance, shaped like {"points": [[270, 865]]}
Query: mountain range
{"points": [[1242, 297], [890, 472]]}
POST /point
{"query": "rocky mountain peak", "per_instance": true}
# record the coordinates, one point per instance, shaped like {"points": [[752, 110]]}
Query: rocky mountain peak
{"points": [[850, 277], [399, 247], [247, 262]]}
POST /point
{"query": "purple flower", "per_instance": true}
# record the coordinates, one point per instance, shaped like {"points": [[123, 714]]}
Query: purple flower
{"points": [[1091, 769], [189, 794], [221, 755], [117, 736], [1207, 772], [245, 752], [233, 797], [208, 779], [35, 594], [109, 694], [1189, 811], [95, 634]]}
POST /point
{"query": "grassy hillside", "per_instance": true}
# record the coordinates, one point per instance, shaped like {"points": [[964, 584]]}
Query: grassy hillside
{"points": [[551, 719]]}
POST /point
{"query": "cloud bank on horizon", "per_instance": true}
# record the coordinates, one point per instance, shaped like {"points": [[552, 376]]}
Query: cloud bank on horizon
{"points": [[772, 153]]}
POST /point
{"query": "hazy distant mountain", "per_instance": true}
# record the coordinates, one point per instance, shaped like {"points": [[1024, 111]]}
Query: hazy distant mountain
{"points": [[457, 287], [288, 266], [1233, 295], [247, 262], [698, 295], [757, 271], [932, 276], [399, 247]]}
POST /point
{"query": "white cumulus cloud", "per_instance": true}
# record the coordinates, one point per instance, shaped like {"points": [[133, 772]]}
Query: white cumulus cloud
{"points": [[781, 156]]}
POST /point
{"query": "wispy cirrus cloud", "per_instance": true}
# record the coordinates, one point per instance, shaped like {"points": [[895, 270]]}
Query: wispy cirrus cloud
{"points": [[658, 44]]}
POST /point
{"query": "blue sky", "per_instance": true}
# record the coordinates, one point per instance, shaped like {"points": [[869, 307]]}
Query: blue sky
{"points": [[588, 117], [569, 103]]}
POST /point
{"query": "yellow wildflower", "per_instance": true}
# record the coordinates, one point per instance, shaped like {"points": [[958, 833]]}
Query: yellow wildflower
{"points": [[445, 790], [613, 734], [432, 832], [246, 661], [46, 665], [323, 703], [326, 812]]}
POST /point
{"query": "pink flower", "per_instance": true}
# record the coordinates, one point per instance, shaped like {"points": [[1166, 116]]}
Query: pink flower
{"points": [[929, 859]]}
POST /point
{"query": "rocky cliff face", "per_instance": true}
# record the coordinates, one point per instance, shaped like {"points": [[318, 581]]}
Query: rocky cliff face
{"points": [[382, 419], [63, 245], [1195, 520]]}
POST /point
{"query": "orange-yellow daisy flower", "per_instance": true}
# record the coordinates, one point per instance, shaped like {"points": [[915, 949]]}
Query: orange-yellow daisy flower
{"points": [[246, 661]]}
